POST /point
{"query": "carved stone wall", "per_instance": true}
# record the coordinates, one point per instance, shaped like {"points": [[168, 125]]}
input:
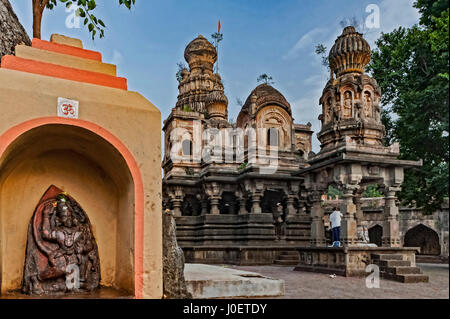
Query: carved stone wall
{"points": [[12, 32], [173, 262]]}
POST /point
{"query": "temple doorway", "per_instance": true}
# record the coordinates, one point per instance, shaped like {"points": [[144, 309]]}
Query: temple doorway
{"points": [[425, 238], [191, 206], [228, 204], [271, 199], [375, 235]]}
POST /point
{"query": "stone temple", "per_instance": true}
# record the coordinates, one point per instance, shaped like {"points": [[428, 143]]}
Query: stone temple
{"points": [[251, 192]]}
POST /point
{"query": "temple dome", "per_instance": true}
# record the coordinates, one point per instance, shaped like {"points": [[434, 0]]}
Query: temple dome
{"points": [[265, 94], [216, 97], [200, 53], [350, 53]]}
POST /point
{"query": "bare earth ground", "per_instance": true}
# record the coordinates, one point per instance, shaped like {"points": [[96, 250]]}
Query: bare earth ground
{"points": [[305, 285]]}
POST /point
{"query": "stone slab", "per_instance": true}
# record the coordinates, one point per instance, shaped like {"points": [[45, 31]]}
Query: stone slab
{"points": [[62, 39], [206, 282]]}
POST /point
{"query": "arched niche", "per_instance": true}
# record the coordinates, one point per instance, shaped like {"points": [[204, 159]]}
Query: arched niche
{"points": [[347, 102], [375, 235], [274, 117], [89, 168], [425, 238]]}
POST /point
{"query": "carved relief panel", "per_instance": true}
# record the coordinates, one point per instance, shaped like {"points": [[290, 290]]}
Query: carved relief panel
{"points": [[61, 254], [274, 118], [347, 104]]}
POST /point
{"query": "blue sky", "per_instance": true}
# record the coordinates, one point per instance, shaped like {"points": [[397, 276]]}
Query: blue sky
{"points": [[260, 36]]}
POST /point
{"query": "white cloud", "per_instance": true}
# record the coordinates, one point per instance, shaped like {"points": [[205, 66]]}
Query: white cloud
{"points": [[117, 58], [307, 109], [308, 41], [394, 14]]}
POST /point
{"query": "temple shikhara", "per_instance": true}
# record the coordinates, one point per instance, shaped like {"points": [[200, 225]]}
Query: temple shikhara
{"points": [[251, 192]]}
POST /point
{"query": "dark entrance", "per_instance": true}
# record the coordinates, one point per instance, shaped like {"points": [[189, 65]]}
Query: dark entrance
{"points": [[425, 238], [375, 235], [271, 199], [228, 204], [191, 206]]}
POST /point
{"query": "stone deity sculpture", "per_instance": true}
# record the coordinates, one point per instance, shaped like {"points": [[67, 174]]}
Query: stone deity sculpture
{"points": [[348, 105], [328, 111], [368, 105], [62, 254]]}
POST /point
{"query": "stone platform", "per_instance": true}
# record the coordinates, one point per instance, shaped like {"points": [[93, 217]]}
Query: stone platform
{"points": [[206, 282], [349, 261], [241, 255]]}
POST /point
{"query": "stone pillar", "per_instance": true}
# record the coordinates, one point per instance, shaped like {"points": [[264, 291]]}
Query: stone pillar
{"points": [[391, 235], [361, 224], [215, 200], [348, 210], [317, 227], [242, 206], [302, 204], [291, 211], [176, 205], [176, 198], [214, 193], [256, 207]]}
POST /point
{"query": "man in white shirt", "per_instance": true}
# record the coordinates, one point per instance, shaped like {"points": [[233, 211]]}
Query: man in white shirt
{"points": [[335, 220]]}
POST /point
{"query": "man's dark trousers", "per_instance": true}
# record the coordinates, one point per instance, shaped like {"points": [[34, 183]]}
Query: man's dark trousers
{"points": [[336, 234]]}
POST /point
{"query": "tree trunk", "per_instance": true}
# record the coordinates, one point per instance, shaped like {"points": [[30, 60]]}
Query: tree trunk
{"points": [[37, 19], [12, 32]]}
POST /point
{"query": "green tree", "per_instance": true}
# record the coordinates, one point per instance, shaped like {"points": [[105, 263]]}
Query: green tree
{"points": [[86, 8], [265, 79], [181, 66], [217, 38], [372, 191], [321, 50], [411, 66], [334, 193]]}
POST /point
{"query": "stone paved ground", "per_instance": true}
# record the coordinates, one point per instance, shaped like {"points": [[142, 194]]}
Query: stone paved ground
{"points": [[305, 285]]}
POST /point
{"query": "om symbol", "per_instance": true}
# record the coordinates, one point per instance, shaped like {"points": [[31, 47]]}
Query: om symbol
{"points": [[68, 109]]}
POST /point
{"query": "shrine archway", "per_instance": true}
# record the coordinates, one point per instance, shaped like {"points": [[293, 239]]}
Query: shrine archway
{"points": [[92, 165], [376, 235], [425, 238]]}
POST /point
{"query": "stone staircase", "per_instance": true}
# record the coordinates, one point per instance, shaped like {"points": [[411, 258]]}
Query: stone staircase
{"points": [[287, 258], [394, 267], [426, 259]]}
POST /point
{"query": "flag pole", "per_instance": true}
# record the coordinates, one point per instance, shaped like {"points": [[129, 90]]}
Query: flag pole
{"points": [[217, 47]]}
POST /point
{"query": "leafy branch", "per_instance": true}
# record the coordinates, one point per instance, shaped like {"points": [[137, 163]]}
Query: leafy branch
{"points": [[85, 9]]}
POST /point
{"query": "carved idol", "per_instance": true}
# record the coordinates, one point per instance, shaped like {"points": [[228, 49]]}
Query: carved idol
{"points": [[368, 105], [62, 254], [335, 107], [348, 105], [377, 112], [328, 111]]}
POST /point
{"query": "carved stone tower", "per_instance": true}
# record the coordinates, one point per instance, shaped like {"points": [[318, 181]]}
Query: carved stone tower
{"points": [[199, 85], [351, 101], [352, 154]]}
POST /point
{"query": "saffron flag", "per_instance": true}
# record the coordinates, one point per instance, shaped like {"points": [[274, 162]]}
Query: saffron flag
{"points": [[219, 26]]}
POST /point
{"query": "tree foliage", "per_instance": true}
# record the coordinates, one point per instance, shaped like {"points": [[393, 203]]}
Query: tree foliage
{"points": [[322, 51], [85, 10], [334, 192], [411, 66], [181, 66], [264, 78], [372, 191]]}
